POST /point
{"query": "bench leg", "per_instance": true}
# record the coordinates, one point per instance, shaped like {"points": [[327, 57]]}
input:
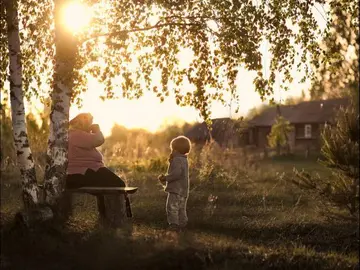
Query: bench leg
{"points": [[112, 210], [128, 206], [101, 208]]}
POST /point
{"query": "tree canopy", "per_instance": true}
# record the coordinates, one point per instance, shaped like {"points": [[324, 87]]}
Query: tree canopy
{"points": [[37, 48], [338, 70], [129, 42]]}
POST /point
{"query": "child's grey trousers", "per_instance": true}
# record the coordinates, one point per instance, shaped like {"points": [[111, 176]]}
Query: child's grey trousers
{"points": [[176, 210]]}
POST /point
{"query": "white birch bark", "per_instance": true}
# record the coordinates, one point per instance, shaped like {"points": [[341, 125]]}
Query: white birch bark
{"points": [[55, 171], [57, 160], [24, 158]]}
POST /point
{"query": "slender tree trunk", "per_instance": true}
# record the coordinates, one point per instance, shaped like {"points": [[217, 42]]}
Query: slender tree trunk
{"points": [[3, 117], [55, 171], [24, 158], [287, 143], [355, 202], [278, 149], [266, 154]]}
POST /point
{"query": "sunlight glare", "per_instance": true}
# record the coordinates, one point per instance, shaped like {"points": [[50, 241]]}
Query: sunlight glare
{"points": [[76, 16]]}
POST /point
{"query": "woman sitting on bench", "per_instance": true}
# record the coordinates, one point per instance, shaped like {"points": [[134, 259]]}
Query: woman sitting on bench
{"points": [[86, 166]]}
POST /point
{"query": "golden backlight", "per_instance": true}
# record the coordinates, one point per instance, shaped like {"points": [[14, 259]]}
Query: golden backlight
{"points": [[148, 112], [76, 16]]}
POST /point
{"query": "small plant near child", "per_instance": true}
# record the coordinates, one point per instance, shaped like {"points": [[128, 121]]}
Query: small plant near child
{"points": [[211, 205]]}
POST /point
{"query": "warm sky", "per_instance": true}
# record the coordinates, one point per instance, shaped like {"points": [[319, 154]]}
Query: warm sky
{"points": [[147, 112]]}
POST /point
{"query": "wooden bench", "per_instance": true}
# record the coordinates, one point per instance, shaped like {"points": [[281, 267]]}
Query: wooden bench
{"points": [[111, 210], [99, 192], [105, 190]]}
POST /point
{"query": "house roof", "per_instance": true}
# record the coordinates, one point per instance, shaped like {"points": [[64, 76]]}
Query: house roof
{"points": [[221, 129], [315, 111]]}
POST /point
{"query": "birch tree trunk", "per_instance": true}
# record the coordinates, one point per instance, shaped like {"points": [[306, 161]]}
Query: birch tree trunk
{"points": [[55, 171], [24, 158]]}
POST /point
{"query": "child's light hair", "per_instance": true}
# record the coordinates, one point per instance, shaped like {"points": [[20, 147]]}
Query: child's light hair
{"points": [[82, 121], [181, 144]]}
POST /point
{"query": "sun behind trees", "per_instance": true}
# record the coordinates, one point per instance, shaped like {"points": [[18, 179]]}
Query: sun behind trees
{"points": [[77, 16]]}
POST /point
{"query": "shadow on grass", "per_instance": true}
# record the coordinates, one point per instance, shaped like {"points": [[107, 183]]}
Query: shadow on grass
{"points": [[246, 219], [86, 247], [322, 238], [231, 208], [46, 248]]}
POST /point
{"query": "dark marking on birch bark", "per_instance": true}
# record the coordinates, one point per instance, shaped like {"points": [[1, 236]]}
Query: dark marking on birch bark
{"points": [[26, 144], [50, 188], [18, 153], [59, 108], [57, 171], [12, 95], [12, 84], [30, 174]]}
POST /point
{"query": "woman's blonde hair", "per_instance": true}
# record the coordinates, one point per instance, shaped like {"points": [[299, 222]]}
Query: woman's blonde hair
{"points": [[181, 144], [82, 121]]}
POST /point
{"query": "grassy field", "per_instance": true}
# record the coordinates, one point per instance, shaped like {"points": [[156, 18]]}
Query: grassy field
{"points": [[239, 218]]}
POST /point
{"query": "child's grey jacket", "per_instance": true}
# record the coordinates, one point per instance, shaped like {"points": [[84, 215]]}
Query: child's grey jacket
{"points": [[177, 178]]}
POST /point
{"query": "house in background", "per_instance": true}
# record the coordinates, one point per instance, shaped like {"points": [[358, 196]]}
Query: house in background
{"points": [[307, 118], [226, 132]]}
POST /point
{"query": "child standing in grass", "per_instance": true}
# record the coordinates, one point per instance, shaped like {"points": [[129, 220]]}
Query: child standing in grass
{"points": [[176, 183]]}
